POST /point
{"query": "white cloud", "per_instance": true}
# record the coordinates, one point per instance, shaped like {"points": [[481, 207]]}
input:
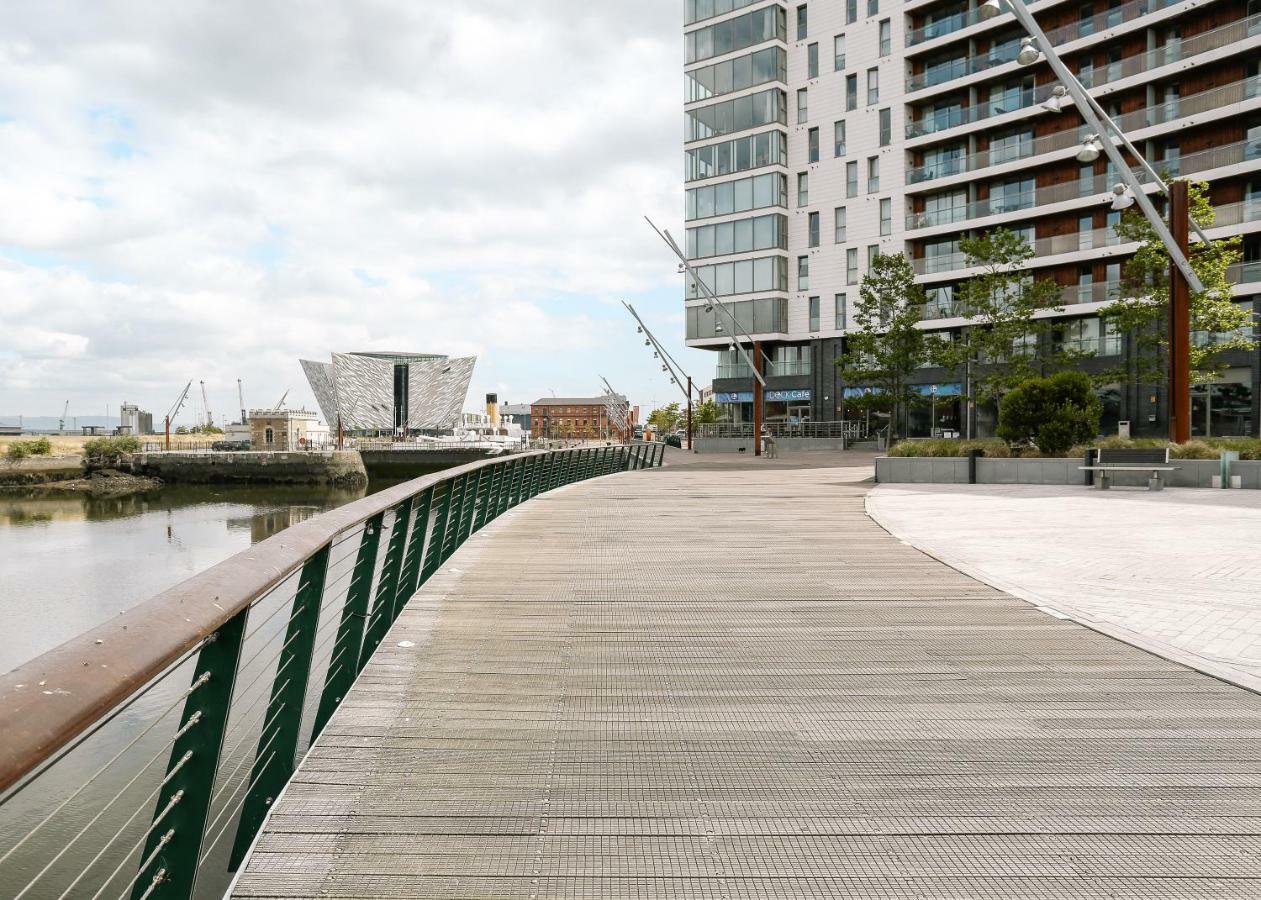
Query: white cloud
{"points": [[188, 190]]}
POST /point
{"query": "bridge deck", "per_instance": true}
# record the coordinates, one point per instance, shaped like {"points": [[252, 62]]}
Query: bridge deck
{"points": [[704, 681]]}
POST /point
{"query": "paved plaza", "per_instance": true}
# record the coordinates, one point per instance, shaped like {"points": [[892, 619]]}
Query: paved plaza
{"points": [[723, 680], [1177, 571]]}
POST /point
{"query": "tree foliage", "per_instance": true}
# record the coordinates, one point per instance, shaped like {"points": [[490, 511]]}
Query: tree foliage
{"points": [[1006, 343], [1143, 309], [666, 418], [108, 447], [705, 413], [1051, 413], [887, 347]]}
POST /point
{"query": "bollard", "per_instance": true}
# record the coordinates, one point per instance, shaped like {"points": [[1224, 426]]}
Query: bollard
{"points": [[1091, 455]]}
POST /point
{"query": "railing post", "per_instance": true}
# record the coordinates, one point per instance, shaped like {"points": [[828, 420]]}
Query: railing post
{"points": [[529, 477], [284, 711], [380, 619], [516, 478], [343, 661], [191, 768], [455, 516], [496, 490], [433, 551], [409, 580], [472, 482]]}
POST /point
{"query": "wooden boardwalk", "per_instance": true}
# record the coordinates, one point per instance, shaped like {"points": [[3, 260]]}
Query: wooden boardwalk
{"points": [[720, 681]]}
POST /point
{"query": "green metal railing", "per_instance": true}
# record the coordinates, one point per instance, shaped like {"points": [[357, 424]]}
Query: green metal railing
{"points": [[141, 759]]}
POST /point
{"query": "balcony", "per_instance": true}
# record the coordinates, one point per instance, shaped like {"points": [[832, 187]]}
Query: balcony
{"points": [[1103, 345], [789, 367], [1203, 161], [965, 65], [1226, 35], [1110, 19], [740, 370], [1159, 114]]}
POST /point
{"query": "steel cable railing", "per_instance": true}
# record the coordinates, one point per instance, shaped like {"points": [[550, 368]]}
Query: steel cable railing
{"points": [[261, 685]]}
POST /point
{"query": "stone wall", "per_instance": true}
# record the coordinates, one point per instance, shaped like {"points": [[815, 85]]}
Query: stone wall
{"points": [[301, 467], [954, 470], [40, 469]]}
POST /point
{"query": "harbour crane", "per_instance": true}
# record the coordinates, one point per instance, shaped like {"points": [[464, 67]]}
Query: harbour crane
{"points": [[240, 395], [281, 404], [61, 423], [205, 404], [175, 411]]}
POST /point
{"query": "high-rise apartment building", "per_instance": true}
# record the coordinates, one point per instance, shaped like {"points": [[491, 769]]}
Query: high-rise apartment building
{"points": [[823, 132]]}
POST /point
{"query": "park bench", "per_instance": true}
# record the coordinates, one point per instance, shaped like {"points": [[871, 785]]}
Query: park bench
{"points": [[1153, 460]]}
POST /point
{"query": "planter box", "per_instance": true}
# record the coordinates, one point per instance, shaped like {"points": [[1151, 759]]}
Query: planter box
{"points": [[954, 470]]}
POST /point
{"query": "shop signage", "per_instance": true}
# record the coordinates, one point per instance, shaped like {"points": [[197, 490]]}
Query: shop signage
{"points": [[733, 397], [803, 394]]}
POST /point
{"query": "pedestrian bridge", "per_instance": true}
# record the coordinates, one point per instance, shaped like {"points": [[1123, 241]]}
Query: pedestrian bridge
{"points": [[715, 678]]}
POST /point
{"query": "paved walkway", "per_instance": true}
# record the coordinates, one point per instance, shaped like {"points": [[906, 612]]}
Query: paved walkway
{"points": [[1176, 571], [725, 681]]}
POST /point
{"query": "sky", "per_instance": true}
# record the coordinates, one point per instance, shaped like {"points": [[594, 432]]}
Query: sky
{"points": [[214, 189]]}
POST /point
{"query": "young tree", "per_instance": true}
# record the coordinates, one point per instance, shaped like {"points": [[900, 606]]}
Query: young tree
{"points": [[1007, 343], [667, 418], [1143, 310], [705, 413], [887, 348], [1052, 413]]}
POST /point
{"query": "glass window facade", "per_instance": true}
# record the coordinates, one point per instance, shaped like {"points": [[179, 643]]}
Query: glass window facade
{"points": [[699, 10], [851, 179], [851, 265], [735, 34], [812, 229], [813, 310], [838, 137], [803, 189], [803, 105], [851, 92], [873, 87], [766, 273], [838, 52], [886, 127], [759, 67], [756, 192], [803, 273], [812, 145], [842, 303], [873, 174], [803, 22], [740, 114], [768, 232], [765, 316], [886, 216], [886, 37], [812, 61], [839, 224], [770, 148]]}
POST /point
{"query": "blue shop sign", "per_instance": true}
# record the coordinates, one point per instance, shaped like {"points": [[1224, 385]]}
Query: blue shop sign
{"points": [[733, 397], [861, 391], [803, 394], [943, 390]]}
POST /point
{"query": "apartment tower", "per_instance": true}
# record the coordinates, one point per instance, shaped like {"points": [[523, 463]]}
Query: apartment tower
{"points": [[819, 134]]}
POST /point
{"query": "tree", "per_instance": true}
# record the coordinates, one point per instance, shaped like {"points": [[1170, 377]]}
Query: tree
{"points": [[887, 347], [1143, 310], [705, 413], [1006, 343], [666, 419], [1052, 413]]}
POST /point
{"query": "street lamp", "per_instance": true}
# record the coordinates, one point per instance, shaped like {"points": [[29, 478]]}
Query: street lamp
{"points": [[1029, 52], [1089, 150], [1121, 197], [989, 9], [1057, 101]]}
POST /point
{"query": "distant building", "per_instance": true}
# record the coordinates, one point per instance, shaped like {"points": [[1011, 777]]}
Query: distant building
{"points": [[390, 393], [576, 418], [133, 420], [520, 413], [285, 429]]}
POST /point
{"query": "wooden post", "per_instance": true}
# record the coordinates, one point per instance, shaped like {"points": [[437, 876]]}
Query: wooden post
{"points": [[1179, 319], [757, 398], [689, 414], [168, 432]]}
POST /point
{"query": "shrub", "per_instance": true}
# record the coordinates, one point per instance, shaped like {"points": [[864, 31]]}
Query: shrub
{"points": [[111, 446], [1052, 413], [949, 447], [35, 447]]}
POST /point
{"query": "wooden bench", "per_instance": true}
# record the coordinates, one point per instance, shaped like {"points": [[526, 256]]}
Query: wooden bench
{"points": [[1153, 460]]}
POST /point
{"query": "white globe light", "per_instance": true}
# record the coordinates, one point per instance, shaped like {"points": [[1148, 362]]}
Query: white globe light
{"points": [[1089, 150], [1029, 53], [989, 9]]}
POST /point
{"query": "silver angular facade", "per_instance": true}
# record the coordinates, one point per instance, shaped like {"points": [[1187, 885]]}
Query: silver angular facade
{"points": [[386, 391]]}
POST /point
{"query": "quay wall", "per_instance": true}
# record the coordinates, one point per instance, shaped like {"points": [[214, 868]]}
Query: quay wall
{"points": [[252, 467], [954, 470], [40, 470]]}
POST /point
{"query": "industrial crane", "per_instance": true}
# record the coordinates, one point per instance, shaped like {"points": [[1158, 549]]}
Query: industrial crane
{"points": [[240, 395], [61, 423], [281, 404], [205, 404], [175, 411]]}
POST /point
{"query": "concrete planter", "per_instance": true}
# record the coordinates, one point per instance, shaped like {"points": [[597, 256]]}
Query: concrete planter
{"points": [[783, 444], [954, 470]]}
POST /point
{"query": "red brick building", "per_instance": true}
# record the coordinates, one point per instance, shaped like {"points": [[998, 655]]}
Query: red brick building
{"points": [[577, 418]]}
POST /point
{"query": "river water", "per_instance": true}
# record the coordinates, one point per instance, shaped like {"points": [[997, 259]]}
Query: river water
{"points": [[69, 563]]}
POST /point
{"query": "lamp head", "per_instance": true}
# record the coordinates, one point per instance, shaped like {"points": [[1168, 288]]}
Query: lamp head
{"points": [[1056, 101], [989, 9], [639, 329], [1029, 52], [647, 343], [1089, 150], [1121, 197], [709, 307], [718, 329]]}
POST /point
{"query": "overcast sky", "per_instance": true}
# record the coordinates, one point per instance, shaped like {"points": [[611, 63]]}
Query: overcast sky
{"points": [[213, 189]]}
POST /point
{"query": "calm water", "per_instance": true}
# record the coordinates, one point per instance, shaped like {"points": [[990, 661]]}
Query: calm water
{"points": [[70, 563]]}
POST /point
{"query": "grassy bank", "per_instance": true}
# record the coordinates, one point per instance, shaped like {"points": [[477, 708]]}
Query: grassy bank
{"points": [[1200, 448], [72, 445]]}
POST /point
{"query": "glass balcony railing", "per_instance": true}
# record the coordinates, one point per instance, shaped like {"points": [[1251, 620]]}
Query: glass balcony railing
{"points": [[1214, 158], [1173, 52], [964, 65], [1159, 114], [788, 367], [942, 27], [1103, 345], [740, 370]]}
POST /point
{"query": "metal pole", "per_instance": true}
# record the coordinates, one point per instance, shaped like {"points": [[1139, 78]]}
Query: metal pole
{"points": [[1179, 322], [689, 413], [757, 398], [1084, 106]]}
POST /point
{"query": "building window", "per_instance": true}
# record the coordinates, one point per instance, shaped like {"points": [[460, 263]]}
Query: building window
{"points": [[886, 216], [802, 23], [803, 103], [813, 144], [851, 179], [873, 174], [812, 61], [886, 37], [812, 229], [886, 127], [803, 189], [841, 304], [873, 87], [873, 250], [851, 92], [803, 273], [851, 265], [873, 7], [839, 214], [269, 437], [838, 52], [851, 12], [838, 137], [814, 313]]}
